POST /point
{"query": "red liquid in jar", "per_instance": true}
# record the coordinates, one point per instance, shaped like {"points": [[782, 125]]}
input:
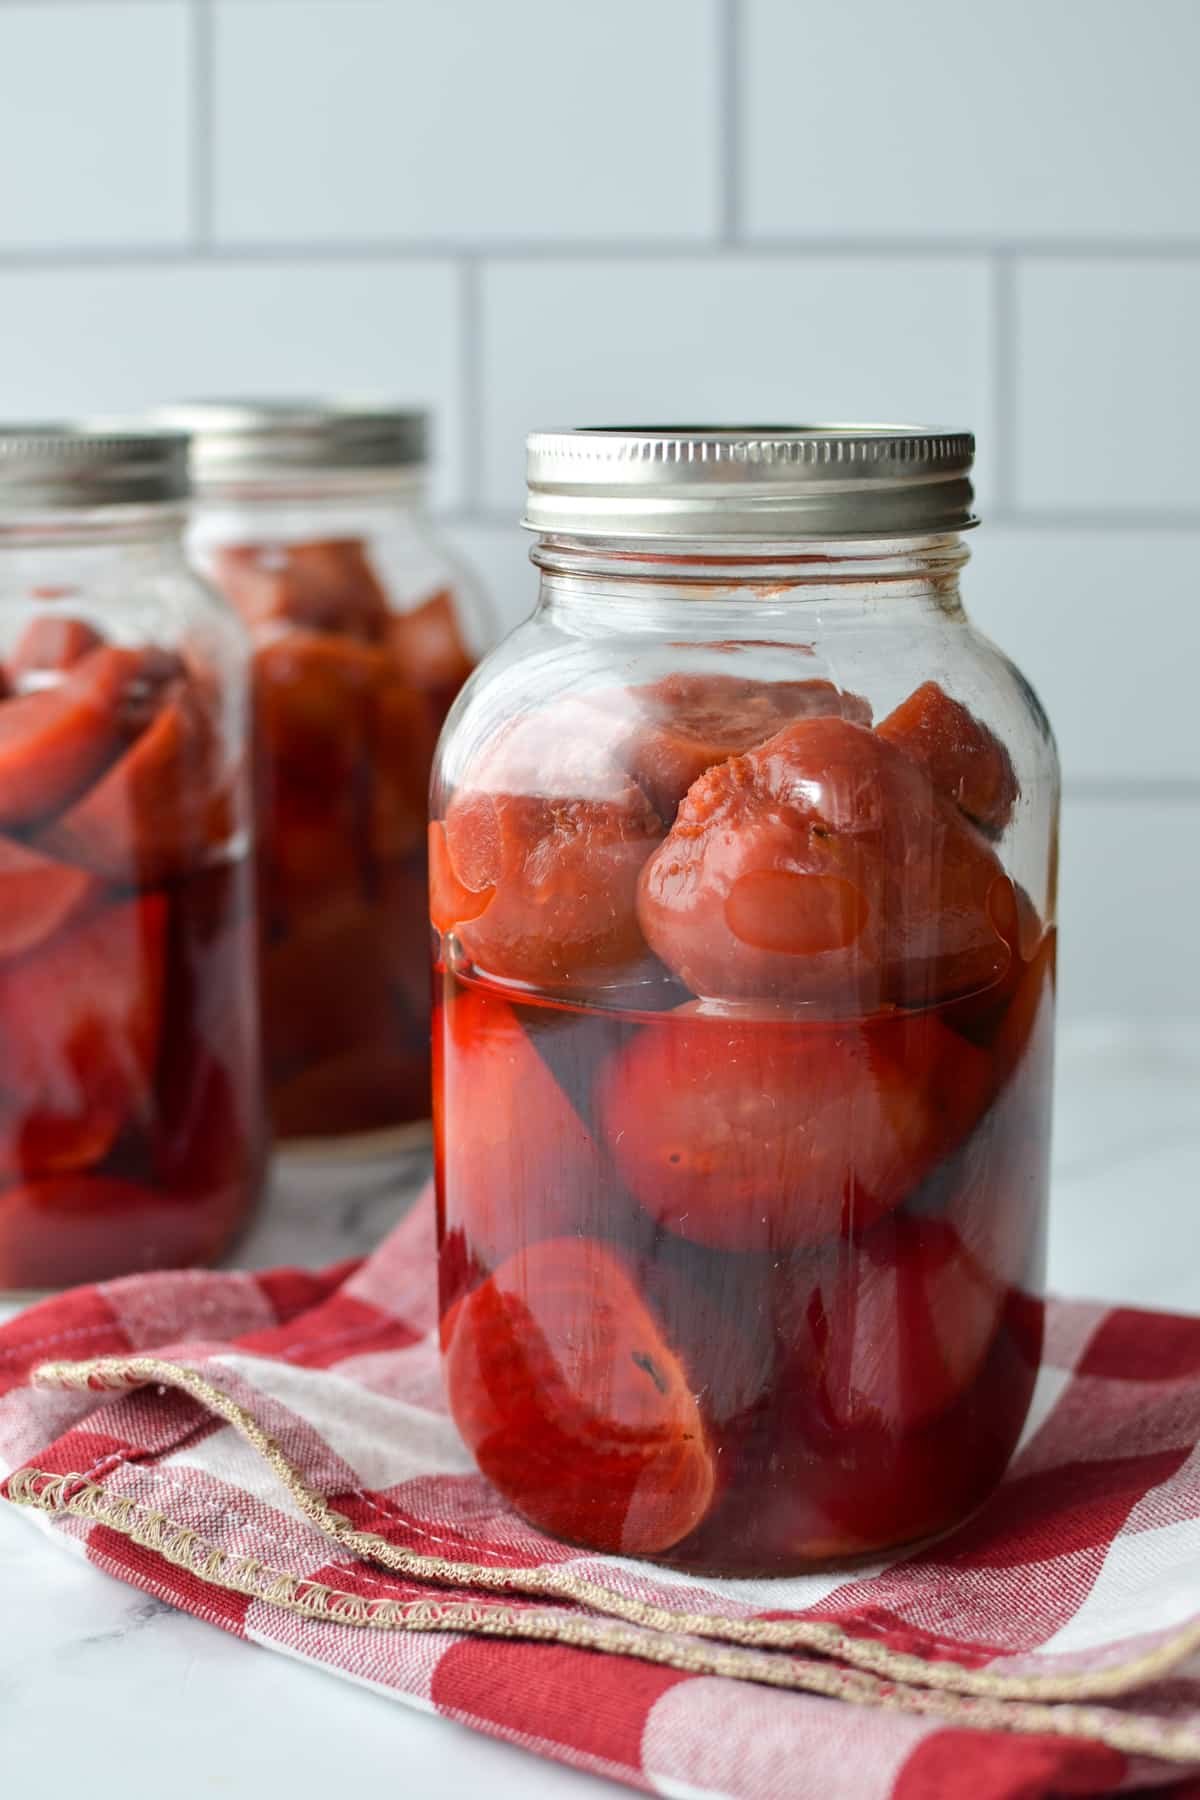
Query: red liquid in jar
{"points": [[131, 1134], [661, 1338]]}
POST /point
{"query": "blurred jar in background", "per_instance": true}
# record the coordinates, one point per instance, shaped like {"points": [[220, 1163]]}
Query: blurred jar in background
{"points": [[309, 517], [131, 1118]]}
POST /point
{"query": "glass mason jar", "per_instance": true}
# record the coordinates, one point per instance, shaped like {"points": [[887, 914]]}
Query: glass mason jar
{"points": [[309, 517], [743, 874], [131, 1122]]}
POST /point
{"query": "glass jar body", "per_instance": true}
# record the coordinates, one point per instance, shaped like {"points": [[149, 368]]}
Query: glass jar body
{"points": [[743, 879], [363, 631], [131, 1120]]}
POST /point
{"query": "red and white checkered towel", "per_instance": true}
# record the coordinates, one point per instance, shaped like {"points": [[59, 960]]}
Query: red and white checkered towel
{"points": [[272, 1453]]}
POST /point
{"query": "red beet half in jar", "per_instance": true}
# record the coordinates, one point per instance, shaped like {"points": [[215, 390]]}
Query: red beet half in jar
{"points": [[742, 884], [309, 517], [132, 1133]]}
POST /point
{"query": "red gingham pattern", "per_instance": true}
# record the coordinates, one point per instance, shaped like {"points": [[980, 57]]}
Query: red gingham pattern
{"points": [[1085, 1561]]}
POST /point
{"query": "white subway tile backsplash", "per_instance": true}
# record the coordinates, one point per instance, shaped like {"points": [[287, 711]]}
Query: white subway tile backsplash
{"points": [[1009, 118], [95, 123], [1127, 912], [1106, 626], [123, 338], [595, 342], [355, 119], [1108, 384]]}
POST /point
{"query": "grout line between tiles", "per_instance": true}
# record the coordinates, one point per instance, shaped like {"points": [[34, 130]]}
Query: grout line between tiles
{"points": [[1033, 249], [729, 50], [1101, 790], [470, 325], [1004, 348], [600, 250], [1103, 519], [202, 146]]}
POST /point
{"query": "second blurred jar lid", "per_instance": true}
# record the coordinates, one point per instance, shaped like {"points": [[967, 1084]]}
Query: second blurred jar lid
{"points": [[82, 463], [750, 481], [256, 439]]}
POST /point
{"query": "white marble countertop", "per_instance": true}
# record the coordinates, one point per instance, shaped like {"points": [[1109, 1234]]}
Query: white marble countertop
{"points": [[80, 1654]]}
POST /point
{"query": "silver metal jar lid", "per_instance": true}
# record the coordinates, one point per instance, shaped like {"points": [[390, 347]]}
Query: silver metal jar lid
{"points": [[750, 481], [246, 440], [68, 465]]}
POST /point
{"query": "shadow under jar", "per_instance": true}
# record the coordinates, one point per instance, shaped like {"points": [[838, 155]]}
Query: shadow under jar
{"points": [[131, 1121], [309, 517], [742, 874]]}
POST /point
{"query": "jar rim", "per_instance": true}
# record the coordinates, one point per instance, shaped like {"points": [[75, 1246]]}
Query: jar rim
{"points": [[260, 439], [66, 466], [750, 481]]}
